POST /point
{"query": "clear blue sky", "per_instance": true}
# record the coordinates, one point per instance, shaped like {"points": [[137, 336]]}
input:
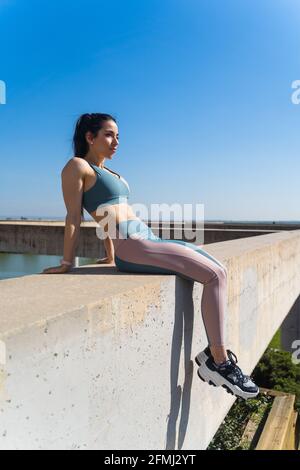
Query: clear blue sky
{"points": [[201, 90]]}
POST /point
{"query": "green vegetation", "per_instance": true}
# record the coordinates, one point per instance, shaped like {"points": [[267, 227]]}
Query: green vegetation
{"points": [[275, 371], [276, 340], [230, 433]]}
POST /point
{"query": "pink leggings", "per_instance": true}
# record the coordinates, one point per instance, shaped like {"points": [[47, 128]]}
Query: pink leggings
{"points": [[138, 250]]}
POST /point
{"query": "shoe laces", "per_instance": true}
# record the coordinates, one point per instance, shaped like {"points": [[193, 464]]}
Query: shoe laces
{"points": [[233, 359]]}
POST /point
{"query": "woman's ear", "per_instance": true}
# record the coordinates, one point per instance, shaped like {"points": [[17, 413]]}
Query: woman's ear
{"points": [[89, 137]]}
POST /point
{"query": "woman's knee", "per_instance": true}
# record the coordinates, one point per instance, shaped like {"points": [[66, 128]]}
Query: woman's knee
{"points": [[221, 273]]}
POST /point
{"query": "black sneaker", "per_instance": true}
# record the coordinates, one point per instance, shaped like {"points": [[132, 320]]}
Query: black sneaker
{"points": [[227, 374]]}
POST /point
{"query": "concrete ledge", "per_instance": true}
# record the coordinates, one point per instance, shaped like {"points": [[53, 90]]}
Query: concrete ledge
{"points": [[98, 359]]}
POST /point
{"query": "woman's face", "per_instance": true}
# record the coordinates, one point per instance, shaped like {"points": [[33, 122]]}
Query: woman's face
{"points": [[107, 140]]}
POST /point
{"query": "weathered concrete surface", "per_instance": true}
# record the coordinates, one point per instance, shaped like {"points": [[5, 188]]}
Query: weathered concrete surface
{"points": [[98, 359], [47, 238], [290, 329]]}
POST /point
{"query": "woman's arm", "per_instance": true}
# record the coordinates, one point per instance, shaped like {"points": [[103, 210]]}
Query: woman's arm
{"points": [[72, 178], [109, 248], [110, 252], [72, 186]]}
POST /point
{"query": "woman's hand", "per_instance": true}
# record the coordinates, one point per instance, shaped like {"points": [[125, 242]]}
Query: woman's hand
{"points": [[106, 260], [63, 268]]}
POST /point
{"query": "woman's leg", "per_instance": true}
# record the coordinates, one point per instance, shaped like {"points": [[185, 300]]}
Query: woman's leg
{"points": [[219, 352], [142, 251]]}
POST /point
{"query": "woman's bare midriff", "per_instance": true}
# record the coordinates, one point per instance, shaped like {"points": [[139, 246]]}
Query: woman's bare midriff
{"points": [[116, 212]]}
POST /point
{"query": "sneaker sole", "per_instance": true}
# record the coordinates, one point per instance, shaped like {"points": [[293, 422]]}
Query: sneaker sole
{"points": [[200, 358], [215, 379]]}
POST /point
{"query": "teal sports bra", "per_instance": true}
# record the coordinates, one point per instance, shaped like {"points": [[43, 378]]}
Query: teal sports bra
{"points": [[108, 189]]}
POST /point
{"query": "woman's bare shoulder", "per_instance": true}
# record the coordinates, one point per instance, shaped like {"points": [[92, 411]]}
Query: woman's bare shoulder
{"points": [[77, 164]]}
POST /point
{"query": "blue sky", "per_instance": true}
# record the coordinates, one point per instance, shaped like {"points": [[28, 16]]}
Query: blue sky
{"points": [[201, 90]]}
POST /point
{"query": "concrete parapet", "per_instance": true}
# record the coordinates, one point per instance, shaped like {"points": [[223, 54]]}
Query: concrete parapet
{"points": [[47, 237], [98, 359]]}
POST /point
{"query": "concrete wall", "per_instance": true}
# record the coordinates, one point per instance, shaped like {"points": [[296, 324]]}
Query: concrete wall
{"points": [[47, 237], [290, 328], [98, 359]]}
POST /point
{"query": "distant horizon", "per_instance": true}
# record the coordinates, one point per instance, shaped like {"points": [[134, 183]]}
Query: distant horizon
{"points": [[49, 218]]}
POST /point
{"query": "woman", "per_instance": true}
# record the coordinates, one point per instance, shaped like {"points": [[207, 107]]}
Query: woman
{"points": [[87, 183]]}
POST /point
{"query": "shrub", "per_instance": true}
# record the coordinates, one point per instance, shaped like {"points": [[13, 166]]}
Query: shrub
{"points": [[276, 371]]}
